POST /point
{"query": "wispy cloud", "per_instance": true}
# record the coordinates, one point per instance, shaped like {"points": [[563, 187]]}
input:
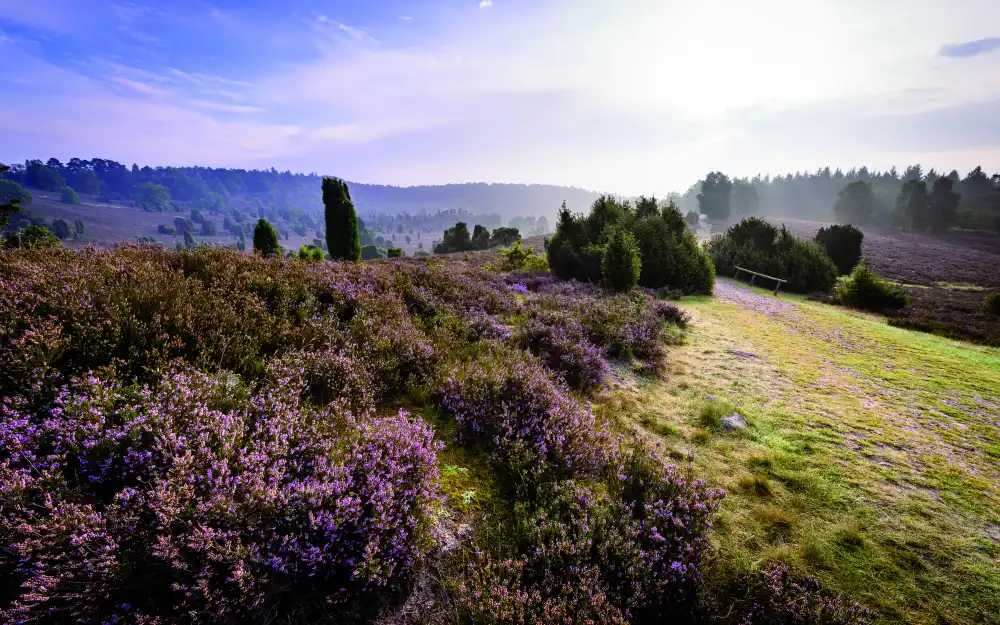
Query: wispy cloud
{"points": [[354, 33], [485, 4], [205, 79], [137, 86], [970, 48], [223, 107]]}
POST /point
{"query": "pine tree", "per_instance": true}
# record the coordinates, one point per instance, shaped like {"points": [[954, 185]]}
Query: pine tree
{"points": [[342, 237], [265, 239]]}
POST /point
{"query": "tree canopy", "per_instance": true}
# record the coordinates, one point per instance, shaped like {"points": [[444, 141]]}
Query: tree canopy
{"points": [[714, 200]]}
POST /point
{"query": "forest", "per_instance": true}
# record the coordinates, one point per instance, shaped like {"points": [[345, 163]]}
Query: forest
{"points": [[924, 200], [183, 188]]}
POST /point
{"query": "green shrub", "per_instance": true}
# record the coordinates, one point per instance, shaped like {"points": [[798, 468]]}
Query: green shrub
{"points": [[32, 237], [668, 253], [310, 253], [672, 257], [607, 211], [843, 245], [562, 259], [866, 290], [265, 239], [394, 252], [517, 256], [806, 265], [69, 196], [753, 231], [991, 305], [60, 228], [369, 252], [759, 246], [621, 266]]}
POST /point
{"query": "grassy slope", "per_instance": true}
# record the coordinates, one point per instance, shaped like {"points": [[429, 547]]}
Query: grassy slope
{"points": [[873, 461]]}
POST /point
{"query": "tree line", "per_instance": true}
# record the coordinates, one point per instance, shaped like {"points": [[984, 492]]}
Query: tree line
{"points": [[183, 188], [914, 199]]}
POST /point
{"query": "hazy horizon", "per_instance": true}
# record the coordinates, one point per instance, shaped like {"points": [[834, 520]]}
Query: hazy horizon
{"points": [[634, 97]]}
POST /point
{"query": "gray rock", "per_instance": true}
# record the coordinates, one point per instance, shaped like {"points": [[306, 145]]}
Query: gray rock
{"points": [[734, 421]]}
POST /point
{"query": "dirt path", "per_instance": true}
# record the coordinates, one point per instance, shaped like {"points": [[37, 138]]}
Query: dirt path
{"points": [[735, 293]]}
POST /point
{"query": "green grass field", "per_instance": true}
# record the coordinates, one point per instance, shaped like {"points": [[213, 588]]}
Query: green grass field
{"points": [[872, 460]]}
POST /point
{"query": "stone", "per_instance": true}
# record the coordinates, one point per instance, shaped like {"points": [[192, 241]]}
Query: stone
{"points": [[734, 421]]}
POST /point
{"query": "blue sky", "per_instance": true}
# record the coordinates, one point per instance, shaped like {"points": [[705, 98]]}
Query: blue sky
{"points": [[631, 96]]}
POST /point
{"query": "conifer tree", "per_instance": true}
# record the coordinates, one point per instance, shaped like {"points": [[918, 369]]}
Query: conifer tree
{"points": [[342, 237], [265, 239]]}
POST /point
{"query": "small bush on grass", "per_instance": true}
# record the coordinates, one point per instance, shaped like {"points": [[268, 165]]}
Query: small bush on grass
{"points": [[866, 290], [991, 305], [517, 257], [776, 597], [843, 245]]}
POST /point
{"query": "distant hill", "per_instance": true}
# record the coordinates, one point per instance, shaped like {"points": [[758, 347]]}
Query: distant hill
{"points": [[215, 189], [118, 203]]}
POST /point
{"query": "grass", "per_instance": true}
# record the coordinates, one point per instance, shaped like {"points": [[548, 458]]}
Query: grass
{"points": [[961, 286], [871, 460]]}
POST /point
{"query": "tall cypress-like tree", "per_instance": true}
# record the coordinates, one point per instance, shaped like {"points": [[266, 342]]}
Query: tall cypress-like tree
{"points": [[342, 238]]}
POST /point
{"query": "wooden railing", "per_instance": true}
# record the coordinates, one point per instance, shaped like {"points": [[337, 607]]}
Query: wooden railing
{"points": [[754, 274]]}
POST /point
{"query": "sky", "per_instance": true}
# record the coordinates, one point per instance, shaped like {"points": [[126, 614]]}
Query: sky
{"points": [[627, 96]]}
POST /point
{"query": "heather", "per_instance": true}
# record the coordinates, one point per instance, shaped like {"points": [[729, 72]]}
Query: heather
{"points": [[214, 436]]}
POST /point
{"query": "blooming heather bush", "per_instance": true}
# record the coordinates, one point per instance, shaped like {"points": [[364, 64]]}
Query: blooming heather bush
{"points": [[510, 404], [400, 353], [486, 327], [672, 512], [671, 314], [779, 597], [631, 552], [625, 326], [331, 376], [201, 500], [560, 342], [555, 574]]}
